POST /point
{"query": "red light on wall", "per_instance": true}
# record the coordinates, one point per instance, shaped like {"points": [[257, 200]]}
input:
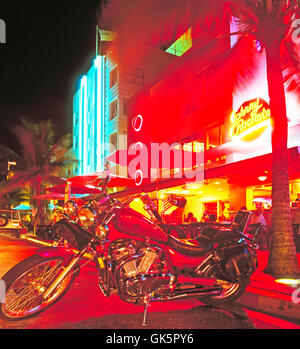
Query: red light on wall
{"points": [[262, 178]]}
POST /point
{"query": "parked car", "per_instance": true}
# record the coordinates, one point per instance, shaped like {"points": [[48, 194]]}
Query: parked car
{"points": [[10, 222]]}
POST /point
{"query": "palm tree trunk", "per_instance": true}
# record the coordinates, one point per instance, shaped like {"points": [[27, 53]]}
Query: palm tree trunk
{"points": [[283, 258], [37, 204]]}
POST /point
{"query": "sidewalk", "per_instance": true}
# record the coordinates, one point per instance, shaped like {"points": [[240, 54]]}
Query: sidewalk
{"points": [[263, 294], [267, 295]]}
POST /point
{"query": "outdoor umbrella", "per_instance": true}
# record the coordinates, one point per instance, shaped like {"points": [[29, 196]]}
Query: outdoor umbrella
{"points": [[94, 178], [75, 189], [50, 196], [22, 207]]}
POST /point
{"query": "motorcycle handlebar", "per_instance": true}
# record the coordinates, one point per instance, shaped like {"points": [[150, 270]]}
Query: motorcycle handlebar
{"points": [[149, 205], [104, 200]]}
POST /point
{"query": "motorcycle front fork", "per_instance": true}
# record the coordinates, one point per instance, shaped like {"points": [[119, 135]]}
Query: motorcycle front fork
{"points": [[65, 272]]}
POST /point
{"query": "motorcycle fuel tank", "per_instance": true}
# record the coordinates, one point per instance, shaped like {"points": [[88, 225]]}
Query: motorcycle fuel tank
{"points": [[130, 222]]}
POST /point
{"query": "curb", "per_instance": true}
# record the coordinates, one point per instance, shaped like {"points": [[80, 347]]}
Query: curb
{"points": [[271, 303]]}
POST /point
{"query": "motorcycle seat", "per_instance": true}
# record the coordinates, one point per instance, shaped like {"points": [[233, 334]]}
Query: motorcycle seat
{"points": [[188, 247]]}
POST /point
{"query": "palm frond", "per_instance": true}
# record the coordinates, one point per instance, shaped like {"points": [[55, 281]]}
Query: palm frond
{"points": [[55, 180], [291, 67], [18, 181], [27, 142], [236, 65], [60, 148]]}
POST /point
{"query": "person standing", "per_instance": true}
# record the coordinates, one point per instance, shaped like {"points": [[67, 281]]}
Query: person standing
{"points": [[262, 235]]}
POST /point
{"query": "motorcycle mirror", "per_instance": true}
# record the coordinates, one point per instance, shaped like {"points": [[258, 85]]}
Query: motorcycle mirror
{"points": [[103, 181], [177, 200]]}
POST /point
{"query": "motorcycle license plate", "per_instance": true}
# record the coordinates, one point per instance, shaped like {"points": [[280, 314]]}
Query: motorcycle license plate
{"points": [[101, 263]]}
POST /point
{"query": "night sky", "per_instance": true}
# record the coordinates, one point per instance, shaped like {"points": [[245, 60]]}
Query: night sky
{"points": [[49, 45]]}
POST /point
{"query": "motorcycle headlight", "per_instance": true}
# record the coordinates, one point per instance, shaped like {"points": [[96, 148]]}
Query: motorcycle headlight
{"points": [[87, 217], [101, 231], [70, 209]]}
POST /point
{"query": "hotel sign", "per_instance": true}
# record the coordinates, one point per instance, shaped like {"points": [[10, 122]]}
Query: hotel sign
{"points": [[251, 120]]}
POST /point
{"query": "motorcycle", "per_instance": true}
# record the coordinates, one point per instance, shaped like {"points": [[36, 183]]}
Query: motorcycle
{"points": [[135, 257]]}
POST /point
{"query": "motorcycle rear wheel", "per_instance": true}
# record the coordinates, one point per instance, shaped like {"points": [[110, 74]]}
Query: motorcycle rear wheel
{"points": [[27, 281], [231, 290]]}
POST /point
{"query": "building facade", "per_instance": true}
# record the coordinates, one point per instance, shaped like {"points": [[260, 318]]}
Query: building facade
{"points": [[167, 98], [232, 129], [100, 107]]}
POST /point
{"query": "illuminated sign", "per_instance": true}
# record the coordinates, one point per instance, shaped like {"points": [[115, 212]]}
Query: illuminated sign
{"points": [[137, 123], [251, 120]]}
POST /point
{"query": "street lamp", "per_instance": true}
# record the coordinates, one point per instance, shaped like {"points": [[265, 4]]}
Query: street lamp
{"points": [[10, 163]]}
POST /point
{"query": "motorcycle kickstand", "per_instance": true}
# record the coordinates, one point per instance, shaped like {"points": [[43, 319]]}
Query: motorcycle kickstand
{"points": [[146, 301]]}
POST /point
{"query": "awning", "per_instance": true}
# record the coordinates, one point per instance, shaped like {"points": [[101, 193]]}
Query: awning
{"points": [[246, 172]]}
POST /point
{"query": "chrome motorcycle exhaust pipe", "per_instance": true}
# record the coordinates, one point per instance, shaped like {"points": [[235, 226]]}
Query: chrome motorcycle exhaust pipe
{"points": [[195, 292]]}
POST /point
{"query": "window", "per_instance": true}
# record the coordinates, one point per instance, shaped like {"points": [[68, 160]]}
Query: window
{"points": [[113, 142], [113, 77], [181, 45], [125, 105], [139, 76], [113, 109], [214, 137], [134, 75]]}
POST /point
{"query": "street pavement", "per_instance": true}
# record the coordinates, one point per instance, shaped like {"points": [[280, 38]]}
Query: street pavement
{"points": [[84, 307]]}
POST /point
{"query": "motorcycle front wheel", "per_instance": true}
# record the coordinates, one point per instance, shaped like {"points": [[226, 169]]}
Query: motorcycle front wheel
{"points": [[25, 284]]}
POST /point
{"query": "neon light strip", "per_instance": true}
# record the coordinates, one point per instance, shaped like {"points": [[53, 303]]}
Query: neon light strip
{"points": [[85, 139], [80, 128], [99, 65]]}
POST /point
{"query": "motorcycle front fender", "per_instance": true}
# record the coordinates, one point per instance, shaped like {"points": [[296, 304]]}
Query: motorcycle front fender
{"points": [[55, 251], [65, 253]]}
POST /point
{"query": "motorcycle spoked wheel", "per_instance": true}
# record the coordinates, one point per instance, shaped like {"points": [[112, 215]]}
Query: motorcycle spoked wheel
{"points": [[231, 290], [27, 281]]}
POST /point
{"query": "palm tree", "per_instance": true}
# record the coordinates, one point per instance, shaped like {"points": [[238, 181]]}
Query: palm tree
{"points": [[17, 197], [158, 22], [41, 161]]}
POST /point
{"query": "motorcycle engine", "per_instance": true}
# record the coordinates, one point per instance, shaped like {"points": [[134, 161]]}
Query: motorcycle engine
{"points": [[138, 269]]}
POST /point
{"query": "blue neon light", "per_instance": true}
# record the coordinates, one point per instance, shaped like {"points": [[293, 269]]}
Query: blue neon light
{"points": [[90, 106]]}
